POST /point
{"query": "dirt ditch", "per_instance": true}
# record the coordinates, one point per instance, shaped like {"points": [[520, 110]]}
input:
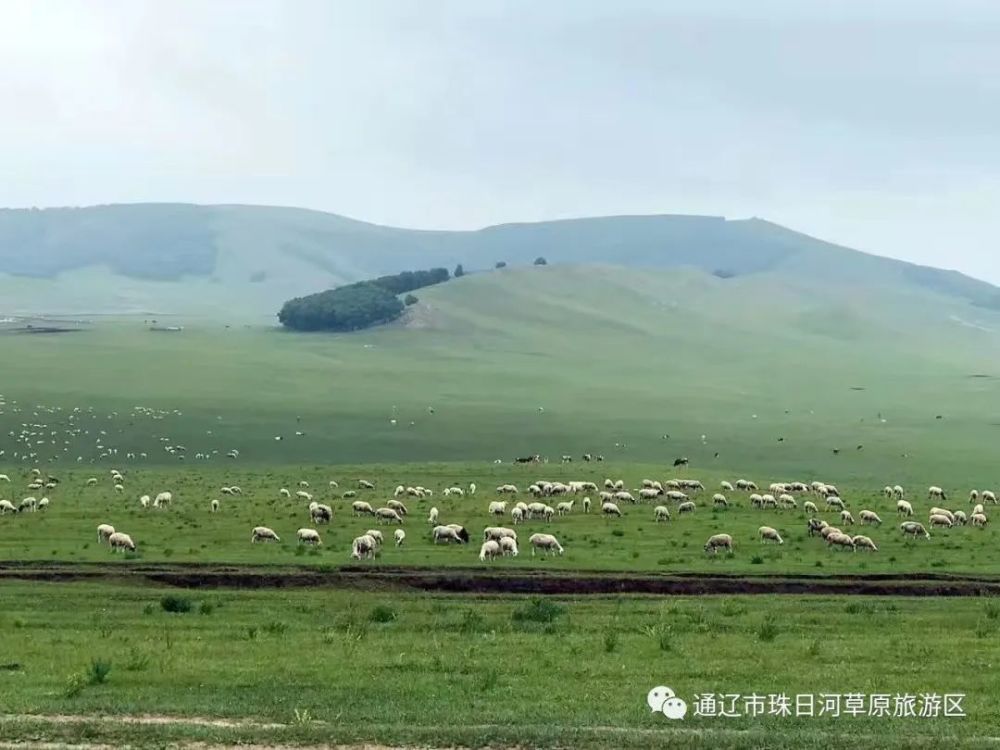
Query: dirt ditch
{"points": [[480, 581]]}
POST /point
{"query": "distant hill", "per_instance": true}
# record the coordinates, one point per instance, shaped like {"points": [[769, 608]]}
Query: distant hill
{"points": [[247, 260]]}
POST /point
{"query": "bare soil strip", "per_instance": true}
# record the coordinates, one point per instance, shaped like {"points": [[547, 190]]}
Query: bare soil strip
{"points": [[483, 581]]}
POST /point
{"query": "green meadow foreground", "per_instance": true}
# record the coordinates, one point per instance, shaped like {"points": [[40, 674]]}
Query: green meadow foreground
{"points": [[319, 666], [187, 531]]}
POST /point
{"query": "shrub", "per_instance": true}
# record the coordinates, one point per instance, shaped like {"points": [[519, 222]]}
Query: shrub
{"points": [[98, 671], [382, 613], [409, 300], [74, 685], [540, 261], [992, 609], [501, 264], [537, 610], [756, 560], [206, 608], [767, 631], [275, 627], [177, 604], [610, 641]]}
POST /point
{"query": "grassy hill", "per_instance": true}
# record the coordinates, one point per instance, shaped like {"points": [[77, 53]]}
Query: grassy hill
{"points": [[557, 359], [244, 261]]}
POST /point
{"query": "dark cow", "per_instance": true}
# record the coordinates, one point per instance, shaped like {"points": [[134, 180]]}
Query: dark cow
{"points": [[680, 462], [528, 459]]}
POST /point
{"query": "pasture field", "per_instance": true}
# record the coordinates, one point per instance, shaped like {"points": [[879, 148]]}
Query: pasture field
{"points": [[189, 532], [326, 666]]}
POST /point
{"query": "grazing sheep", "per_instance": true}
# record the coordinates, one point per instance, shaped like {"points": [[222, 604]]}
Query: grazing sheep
{"points": [[832, 501], [756, 501], [489, 551], [497, 508], [163, 499], [303, 483], [388, 515], [840, 539], [912, 528], [349, 494], [445, 534], [303, 495], [978, 509], [320, 513], [546, 543], [719, 501], [226, 490], [497, 533], [687, 507], [308, 536], [399, 535], [810, 507], [939, 519], [768, 501], [508, 546], [988, 496], [676, 496], [104, 532], [979, 519], [887, 491], [516, 515], [120, 541], [936, 493], [118, 487], [661, 513], [361, 508], [974, 497], [507, 489], [6, 506], [364, 484], [376, 535], [620, 484], [870, 517], [263, 534], [904, 508], [432, 516], [769, 534], [215, 506], [90, 482], [563, 508], [787, 501], [610, 509], [846, 518], [717, 542], [827, 530], [472, 488], [586, 505], [960, 518], [897, 492], [649, 494], [726, 487], [284, 492], [28, 504], [624, 497], [400, 489], [363, 546], [815, 526], [864, 542], [144, 501], [397, 506]]}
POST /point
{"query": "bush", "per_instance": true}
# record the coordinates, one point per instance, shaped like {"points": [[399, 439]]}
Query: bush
{"points": [[767, 631], [74, 685], [537, 610], [992, 609], [501, 264], [206, 608], [610, 641], [459, 271], [98, 671], [276, 627], [540, 261], [177, 604], [382, 613], [756, 560], [409, 300]]}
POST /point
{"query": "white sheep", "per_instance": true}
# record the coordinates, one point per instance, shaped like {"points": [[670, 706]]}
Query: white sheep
{"points": [[400, 489], [303, 483], [163, 499], [497, 508], [303, 495], [840, 539], [516, 515], [497, 533], [6, 506], [726, 487], [719, 501], [676, 496], [687, 507], [913, 528], [717, 542], [215, 506], [870, 517], [960, 518], [897, 492], [361, 508], [978, 509], [388, 515], [144, 501], [545, 542], [284, 492], [769, 534], [564, 508], [661, 513], [586, 505], [832, 501], [508, 546], [973, 497], [104, 532], [308, 536], [864, 542], [90, 482], [364, 484], [120, 541], [472, 488], [787, 501], [624, 497], [489, 551], [610, 509], [445, 534], [988, 496], [904, 508], [979, 519], [363, 546], [377, 536], [432, 516], [399, 535], [936, 493], [263, 534], [397, 506], [810, 507], [320, 513], [846, 518]]}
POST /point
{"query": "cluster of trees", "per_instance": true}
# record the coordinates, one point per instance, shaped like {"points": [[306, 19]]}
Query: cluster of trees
{"points": [[356, 306]]}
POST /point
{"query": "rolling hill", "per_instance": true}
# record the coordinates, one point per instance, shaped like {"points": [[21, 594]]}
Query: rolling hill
{"points": [[244, 261]]}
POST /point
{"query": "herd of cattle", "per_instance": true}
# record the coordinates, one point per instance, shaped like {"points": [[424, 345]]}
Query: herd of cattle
{"points": [[671, 497]]}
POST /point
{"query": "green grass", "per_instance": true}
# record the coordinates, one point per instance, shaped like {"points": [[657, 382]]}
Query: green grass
{"points": [[426, 677], [189, 532]]}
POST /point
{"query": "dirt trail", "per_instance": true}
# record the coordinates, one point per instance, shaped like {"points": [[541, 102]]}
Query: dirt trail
{"points": [[480, 581]]}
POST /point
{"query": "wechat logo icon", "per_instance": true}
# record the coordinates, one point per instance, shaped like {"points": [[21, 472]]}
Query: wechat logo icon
{"points": [[662, 700]]}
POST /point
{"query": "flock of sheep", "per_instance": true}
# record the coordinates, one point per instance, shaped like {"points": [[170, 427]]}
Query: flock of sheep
{"points": [[502, 541]]}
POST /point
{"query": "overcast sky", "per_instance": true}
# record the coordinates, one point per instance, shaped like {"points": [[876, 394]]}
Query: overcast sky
{"points": [[874, 124]]}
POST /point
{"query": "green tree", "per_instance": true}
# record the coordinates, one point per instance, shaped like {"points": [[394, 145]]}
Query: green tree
{"points": [[409, 299], [459, 271], [501, 264], [540, 261]]}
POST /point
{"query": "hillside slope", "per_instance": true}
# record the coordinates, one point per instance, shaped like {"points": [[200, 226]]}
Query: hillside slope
{"points": [[246, 260]]}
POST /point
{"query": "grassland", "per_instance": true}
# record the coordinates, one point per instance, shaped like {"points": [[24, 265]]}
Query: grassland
{"points": [[395, 667], [188, 532]]}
